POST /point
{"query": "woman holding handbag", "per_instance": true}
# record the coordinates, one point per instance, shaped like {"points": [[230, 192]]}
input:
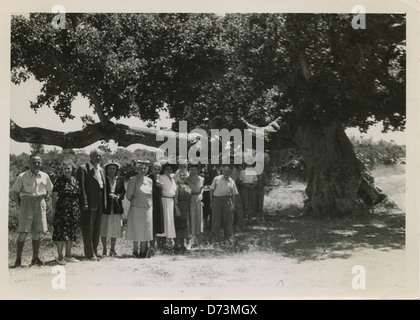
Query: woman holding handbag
{"points": [[111, 222]]}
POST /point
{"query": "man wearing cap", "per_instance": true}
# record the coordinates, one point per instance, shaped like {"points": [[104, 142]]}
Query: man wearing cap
{"points": [[223, 194], [29, 192], [92, 181]]}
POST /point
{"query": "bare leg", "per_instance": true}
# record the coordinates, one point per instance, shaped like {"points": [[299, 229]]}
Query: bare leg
{"points": [[60, 245], [143, 246], [103, 246], [113, 242], [36, 244], [135, 248], [19, 247], [69, 243]]}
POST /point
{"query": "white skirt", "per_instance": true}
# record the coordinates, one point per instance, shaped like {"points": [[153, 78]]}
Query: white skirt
{"points": [[111, 225], [168, 218]]}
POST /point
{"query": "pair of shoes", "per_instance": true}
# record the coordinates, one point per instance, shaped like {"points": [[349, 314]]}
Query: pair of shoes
{"points": [[113, 254], [97, 255], [18, 263], [169, 250], [227, 241], [37, 262], [151, 252], [61, 262], [71, 259], [94, 258]]}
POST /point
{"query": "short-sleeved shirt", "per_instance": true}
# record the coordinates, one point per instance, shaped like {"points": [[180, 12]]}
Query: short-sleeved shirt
{"points": [[223, 187], [29, 184], [168, 186], [251, 177]]}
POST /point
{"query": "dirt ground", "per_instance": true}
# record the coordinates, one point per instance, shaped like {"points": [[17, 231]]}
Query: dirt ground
{"points": [[283, 257]]}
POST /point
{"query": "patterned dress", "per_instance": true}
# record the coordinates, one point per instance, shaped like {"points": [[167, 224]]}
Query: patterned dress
{"points": [[67, 209]]}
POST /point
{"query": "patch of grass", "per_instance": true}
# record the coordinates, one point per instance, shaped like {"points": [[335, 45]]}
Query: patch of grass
{"points": [[286, 199], [386, 171]]}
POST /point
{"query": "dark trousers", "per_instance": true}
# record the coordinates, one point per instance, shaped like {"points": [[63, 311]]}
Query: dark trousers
{"points": [[90, 221], [206, 207], [222, 216]]}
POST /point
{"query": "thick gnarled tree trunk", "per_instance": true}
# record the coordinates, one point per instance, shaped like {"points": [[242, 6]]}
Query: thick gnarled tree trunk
{"points": [[338, 183]]}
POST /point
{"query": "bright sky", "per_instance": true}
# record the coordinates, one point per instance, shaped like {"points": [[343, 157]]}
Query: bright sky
{"points": [[46, 118]]}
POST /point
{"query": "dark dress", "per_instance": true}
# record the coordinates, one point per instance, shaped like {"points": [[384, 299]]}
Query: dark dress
{"points": [[67, 209], [158, 226], [208, 175], [182, 222], [206, 197]]}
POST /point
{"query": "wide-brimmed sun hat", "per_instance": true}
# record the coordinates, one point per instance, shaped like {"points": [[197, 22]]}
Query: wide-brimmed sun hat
{"points": [[142, 162], [112, 163]]}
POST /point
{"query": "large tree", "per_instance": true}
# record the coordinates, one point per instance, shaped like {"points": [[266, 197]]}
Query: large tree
{"points": [[310, 77], [305, 77]]}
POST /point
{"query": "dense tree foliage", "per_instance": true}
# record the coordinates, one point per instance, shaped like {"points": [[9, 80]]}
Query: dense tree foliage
{"points": [[215, 71], [307, 68]]}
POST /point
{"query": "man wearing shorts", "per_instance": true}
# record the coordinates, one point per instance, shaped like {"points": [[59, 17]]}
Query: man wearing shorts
{"points": [[29, 192]]}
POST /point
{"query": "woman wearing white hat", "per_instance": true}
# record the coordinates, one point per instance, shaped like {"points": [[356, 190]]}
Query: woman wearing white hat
{"points": [[111, 223]]}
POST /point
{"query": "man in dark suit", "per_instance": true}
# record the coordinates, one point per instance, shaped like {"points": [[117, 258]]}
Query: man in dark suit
{"points": [[92, 181]]}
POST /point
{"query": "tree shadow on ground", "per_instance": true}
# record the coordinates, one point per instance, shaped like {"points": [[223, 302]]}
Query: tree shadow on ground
{"points": [[282, 232], [306, 238]]}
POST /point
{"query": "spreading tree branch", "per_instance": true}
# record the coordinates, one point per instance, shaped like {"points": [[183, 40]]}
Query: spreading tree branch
{"points": [[122, 134], [276, 134]]}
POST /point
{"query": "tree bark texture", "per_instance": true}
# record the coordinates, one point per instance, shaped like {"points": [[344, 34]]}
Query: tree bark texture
{"points": [[338, 183], [122, 134]]}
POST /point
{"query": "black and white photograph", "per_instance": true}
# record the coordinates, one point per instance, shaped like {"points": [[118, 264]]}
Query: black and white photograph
{"points": [[210, 151]]}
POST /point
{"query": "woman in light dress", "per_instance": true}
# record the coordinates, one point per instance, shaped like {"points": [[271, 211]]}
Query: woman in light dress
{"points": [[169, 201], [196, 184], [248, 181], [140, 214]]}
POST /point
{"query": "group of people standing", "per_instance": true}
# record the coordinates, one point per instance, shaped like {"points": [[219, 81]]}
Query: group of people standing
{"points": [[168, 210]]}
